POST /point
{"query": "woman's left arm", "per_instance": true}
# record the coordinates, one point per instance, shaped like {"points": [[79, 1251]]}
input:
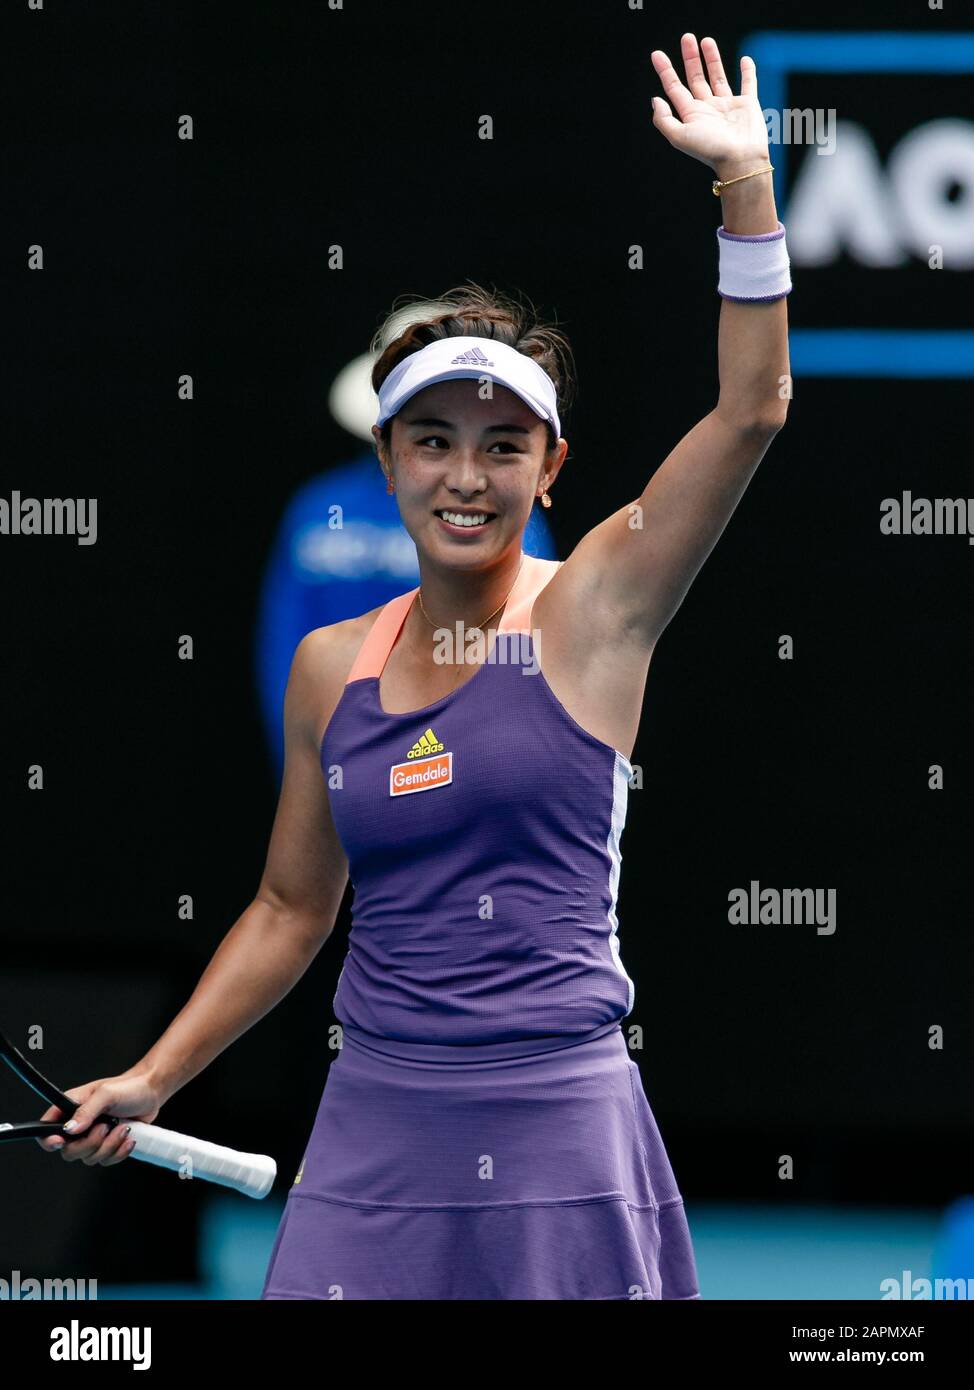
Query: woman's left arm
{"points": [[634, 568]]}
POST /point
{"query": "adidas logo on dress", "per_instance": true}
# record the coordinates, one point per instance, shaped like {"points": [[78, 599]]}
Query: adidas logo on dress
{"points": [[422, 748]]}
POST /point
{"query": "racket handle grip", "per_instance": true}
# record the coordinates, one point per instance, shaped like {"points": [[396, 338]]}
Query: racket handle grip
{"points": [[251, 1174]]}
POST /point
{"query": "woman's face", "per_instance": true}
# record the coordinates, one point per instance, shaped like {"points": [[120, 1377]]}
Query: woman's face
{"points": [[454, 453]]}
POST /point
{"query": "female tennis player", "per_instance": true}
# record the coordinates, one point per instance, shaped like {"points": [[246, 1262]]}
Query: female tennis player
{"points": [[462, 753]]}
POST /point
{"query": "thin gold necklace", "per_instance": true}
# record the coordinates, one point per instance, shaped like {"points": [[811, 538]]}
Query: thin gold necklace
{"points": [[481, 626]]}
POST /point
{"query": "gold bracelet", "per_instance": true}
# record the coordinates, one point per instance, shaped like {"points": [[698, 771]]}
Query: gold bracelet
{"points": [[717, 185]]}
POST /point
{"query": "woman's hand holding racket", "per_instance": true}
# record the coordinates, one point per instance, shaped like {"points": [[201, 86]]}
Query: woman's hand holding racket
{"points": [[100, 1110], [128, 1096]]}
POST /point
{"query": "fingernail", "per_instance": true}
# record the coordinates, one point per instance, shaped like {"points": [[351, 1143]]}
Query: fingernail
{"points": [[71, 1124], [128, 1129]]}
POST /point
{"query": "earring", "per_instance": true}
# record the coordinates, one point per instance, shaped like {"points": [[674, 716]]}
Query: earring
{"points": [[545, 499], [390, 485]]}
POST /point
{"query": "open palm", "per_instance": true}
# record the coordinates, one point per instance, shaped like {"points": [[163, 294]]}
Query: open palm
{"points": [[711, 123]]}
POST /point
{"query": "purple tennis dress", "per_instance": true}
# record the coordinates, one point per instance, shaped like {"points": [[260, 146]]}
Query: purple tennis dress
{"points": [[483, 1132]]}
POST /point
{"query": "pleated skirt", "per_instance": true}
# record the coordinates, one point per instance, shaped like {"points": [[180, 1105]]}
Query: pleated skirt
{"points": [[524, 1170]]}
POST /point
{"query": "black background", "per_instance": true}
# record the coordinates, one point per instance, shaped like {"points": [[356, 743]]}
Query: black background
{"points": [[162, 257]]}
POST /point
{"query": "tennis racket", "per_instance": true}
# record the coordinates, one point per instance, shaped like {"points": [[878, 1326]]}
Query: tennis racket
{"points": [[251, 1174]]}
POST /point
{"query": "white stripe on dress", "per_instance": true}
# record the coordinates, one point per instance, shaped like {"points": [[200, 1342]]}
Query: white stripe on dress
{"points": [[622, 771]]}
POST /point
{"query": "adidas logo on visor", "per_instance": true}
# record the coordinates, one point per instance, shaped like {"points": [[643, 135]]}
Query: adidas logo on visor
{"points": [[473, 357]]}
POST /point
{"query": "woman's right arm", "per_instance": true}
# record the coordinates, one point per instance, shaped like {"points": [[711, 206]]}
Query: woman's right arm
{"points": [[274, 940]]}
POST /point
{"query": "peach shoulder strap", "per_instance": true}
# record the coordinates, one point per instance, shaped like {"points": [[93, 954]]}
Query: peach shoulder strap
{"points": [[381, 636]]}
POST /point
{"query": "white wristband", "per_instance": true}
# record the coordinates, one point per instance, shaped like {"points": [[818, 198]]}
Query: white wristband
{"points": [[753, 269]]}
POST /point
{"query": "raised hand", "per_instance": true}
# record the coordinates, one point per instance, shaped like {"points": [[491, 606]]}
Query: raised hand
{"points": [[711, 124]]}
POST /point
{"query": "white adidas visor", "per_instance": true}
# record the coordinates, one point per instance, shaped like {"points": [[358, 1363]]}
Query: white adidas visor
{"points": [[455, 359]]}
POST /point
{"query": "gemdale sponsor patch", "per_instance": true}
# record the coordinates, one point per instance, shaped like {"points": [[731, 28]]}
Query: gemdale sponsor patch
{"points": [[426, 768]]}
